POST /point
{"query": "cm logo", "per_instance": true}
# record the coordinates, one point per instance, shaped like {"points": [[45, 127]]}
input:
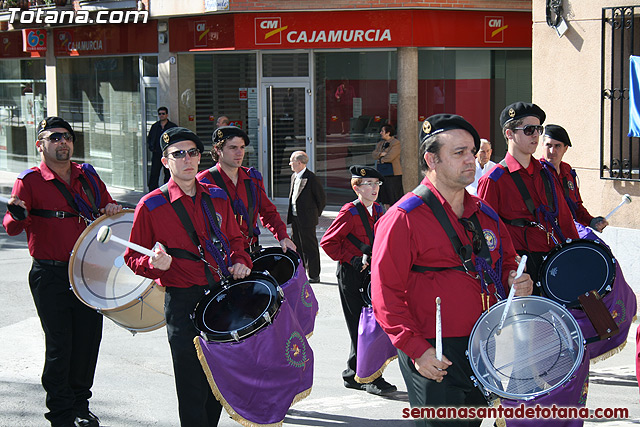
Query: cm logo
{"points": [[269, 31], [494, 29]]}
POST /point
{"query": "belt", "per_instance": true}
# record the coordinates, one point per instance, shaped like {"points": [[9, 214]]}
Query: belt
{"points": [[51, 262]]}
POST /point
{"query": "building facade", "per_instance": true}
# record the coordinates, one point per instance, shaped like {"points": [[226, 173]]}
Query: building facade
{"points": [[582, 82], [322, 78]]}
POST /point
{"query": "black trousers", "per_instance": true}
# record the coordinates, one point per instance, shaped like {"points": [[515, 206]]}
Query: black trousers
{"points": [[197, 407], [349, 284], [156, 167], [455, 390], [534, 262], [307, 243], [73, 332]]}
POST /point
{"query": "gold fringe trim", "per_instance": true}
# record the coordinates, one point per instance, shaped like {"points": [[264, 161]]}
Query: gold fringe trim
{"points": [[614, 351], [500, 422], [377, 373], [218, 395], [609, 353]]}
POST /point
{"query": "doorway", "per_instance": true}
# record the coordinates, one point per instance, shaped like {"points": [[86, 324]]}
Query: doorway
{"points": [[287, 127]]}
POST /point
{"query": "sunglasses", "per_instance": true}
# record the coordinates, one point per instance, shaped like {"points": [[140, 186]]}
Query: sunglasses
{"points": [[476, 240], [530, 129], [180, 154], [56, 137], [372, 184], [162, 114]]}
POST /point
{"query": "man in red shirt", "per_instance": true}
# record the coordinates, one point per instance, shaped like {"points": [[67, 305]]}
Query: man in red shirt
{"points": [[245, 188], [61, 198], [414, 261], [349, 241], [180, 268], [556, 142], [528, 199]]}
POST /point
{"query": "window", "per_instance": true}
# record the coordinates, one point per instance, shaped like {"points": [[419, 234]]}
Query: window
{"points": [[619, 153]]}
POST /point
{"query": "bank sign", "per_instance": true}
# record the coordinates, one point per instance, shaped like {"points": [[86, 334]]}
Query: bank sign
{"points": [[352, 29], [323, 30]]}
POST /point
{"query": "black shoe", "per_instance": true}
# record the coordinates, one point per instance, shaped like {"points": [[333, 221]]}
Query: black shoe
{"points": [[380, 387], [87, 419], [314, 280], [350, 382]]}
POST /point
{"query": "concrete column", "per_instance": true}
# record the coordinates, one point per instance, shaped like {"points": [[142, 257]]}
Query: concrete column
{"points": [[168, 78], [408, 115], [51, 77]]}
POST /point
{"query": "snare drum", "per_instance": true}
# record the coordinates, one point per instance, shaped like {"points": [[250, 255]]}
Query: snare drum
{"points": [[577, 267], [239, 309], [538, 350], [101, 279], [290, 274]]}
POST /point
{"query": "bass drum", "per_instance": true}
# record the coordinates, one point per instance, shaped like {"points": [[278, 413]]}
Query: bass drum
{"points": [[101, 279], [240, 309], [575, 268], [538, 349]]}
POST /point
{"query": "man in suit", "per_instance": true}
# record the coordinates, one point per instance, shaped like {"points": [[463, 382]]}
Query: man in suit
{"points": [[306, 202]]}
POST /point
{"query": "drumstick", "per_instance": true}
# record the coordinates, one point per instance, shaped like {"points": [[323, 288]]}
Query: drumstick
{"points": [[512, 293], [625, 199], [105, 234], [438, 331]]}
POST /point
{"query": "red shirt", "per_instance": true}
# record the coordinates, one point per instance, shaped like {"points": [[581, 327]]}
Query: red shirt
{"points": [[335, 242], [51, 238], [569, 183], [265, 208], [155, 220], [404, 300], [499, 190]]}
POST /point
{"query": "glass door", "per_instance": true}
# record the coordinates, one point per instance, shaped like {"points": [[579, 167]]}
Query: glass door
{"points": [[286, 128], [150, 116]]}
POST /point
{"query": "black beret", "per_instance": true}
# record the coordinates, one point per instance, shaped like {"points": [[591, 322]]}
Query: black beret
{"points": [[359, 171], [227, 132], [558, 133], [518, 110], [443, 122], [177, 134], [53, 122]]}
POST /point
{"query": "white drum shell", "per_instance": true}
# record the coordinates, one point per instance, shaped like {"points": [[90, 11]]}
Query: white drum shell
{"points": [[101, 279]]}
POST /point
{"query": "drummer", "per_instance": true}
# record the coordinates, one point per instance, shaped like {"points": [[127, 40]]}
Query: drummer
{"points": [[245, 188], [523, 193], [556, 142], [414, 262], [348, 240], [178, 264], [61, 198]]}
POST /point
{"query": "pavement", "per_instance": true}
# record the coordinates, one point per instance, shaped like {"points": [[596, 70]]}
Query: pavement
{"points": [[134, 378]]}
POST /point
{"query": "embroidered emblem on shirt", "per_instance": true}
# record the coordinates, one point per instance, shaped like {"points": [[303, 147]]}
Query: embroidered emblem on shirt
{"points": [[570, 185], [490, 237]]}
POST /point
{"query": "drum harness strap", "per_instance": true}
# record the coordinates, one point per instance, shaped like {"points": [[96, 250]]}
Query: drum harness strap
{"points": [[364, 217], [480, 247], [82, 209], [366, 249], [552, 200], [565, 187], [216, 246], [238, 206]]}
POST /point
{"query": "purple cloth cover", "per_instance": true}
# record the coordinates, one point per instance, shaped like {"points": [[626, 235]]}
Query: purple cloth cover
{"points": [[621, 303], [302, 300], [375, 350], [573, 394], [258, 379]]}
